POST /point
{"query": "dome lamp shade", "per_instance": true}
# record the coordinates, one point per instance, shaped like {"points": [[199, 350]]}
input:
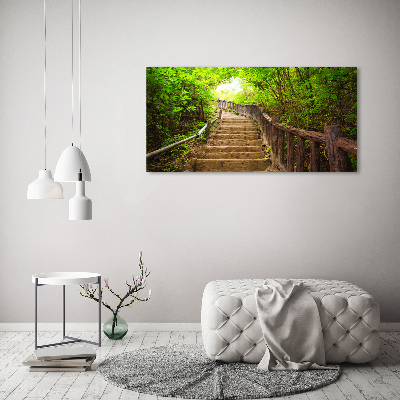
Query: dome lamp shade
{"points": [[44, 187], [69, 165]]}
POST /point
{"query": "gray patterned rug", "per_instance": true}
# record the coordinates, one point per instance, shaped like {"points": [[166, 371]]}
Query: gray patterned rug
{"points": [[185, 371]]}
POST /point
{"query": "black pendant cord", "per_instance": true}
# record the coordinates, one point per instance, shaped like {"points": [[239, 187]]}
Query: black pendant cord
{"points": [[44, 84]]}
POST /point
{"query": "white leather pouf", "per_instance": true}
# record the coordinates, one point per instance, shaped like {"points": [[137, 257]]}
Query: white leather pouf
{"points": [[231, 330]]}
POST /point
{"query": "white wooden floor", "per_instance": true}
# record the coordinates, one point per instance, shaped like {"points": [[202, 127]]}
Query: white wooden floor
{"points": [[379, 379]]}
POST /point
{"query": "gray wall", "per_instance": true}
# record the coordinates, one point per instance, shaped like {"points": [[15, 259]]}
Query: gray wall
{"points": [[192, 228]]}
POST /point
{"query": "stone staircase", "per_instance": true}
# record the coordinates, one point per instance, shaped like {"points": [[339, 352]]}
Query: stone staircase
{"points": [[234, 147]]}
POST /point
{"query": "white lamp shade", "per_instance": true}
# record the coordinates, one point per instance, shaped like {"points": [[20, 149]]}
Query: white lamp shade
{"points": [[71, 161], [80, 206], [44, 187]]}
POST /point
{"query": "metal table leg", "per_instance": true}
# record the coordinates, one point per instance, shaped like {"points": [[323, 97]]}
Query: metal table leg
{"points": [[63, 311], [36, 286], [100, 297], [73, 339]]}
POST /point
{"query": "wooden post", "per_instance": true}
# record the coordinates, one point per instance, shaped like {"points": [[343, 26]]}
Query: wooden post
{"points": [[208, 127], [338, 159], [219, 113], [274, 139], [290, 152], [265, 127], [300, 154], [314, 157], [269, 134], [281, 146]]}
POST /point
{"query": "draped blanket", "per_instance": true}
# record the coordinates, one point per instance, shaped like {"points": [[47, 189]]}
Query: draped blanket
{"points": [[291, 327]]}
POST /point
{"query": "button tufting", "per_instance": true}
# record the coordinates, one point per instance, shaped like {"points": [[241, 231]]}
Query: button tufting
{"points": [[329, 295]]}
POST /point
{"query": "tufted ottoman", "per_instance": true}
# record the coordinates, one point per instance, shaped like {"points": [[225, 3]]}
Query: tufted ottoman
{"points": [[231, 330]]}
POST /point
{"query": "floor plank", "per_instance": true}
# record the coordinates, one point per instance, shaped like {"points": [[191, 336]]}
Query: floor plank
{"points": [[379, 379], [163, 338], [361, 383]]}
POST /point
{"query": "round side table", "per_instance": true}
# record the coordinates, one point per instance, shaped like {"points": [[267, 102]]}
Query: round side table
{"points": [[66, 278]]}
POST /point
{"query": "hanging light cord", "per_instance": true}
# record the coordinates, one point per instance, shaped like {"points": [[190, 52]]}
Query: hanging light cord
{"points": [[72, 69], [44, 83], [79, 87]]}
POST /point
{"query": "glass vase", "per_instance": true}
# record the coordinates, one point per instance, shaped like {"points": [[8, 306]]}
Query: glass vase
{"points": [[115, 327]]}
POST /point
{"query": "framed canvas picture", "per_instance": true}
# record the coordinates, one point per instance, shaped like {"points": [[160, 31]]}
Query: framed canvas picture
{"points": [[251, 119]]}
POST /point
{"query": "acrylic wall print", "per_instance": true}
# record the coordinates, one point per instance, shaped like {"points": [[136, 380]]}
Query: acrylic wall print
{"points": [[251, 119]]}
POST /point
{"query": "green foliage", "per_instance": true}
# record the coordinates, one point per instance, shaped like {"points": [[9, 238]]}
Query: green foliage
{"points": [[181, 100], [307, 97]]}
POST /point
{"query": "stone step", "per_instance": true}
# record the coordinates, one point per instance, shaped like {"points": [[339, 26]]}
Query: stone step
{"points": [[246, 136], [232, 127], [236, 133], [235, 117], [223, 165], [237, 121], [232, 149], [257, 155], [238, 126], [234, 142]]}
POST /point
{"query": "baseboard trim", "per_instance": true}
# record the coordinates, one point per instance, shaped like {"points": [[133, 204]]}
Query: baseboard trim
{"points": [[92, 327], [138, 327], [390, 327]]}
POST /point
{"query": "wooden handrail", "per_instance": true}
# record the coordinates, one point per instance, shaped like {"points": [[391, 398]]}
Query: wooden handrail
{"points": [[276, 135], [171, 146]]}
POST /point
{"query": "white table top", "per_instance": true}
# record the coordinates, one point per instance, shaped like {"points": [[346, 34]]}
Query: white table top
{"points": [[65, 278]]}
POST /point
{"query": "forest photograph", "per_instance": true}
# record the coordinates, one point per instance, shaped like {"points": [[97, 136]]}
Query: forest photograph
{"points": [[251, 119]]}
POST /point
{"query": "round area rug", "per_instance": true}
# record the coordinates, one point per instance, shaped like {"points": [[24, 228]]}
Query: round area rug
{"points": [[185, 371]]}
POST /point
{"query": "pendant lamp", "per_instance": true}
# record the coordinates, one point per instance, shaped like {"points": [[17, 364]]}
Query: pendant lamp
{"points": [[72, 165], [44, 186], [72, 162], [80, 206]]}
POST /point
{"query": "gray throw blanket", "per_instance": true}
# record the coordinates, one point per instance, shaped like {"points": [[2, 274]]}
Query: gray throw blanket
{"points": [[291, 327]]}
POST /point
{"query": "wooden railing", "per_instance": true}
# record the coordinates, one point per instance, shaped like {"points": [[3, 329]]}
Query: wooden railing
{"points": [[205, 128], [288, 144]]}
